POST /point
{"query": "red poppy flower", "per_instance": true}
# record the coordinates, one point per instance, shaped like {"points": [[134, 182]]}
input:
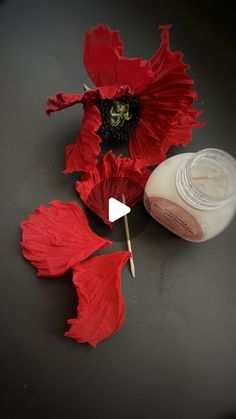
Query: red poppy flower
{"points": [[113, 176], [148, 102], [55, 238], [101, 308]]}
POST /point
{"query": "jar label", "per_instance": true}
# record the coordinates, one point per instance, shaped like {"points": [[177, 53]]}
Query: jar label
{"points": [[175, 218]]}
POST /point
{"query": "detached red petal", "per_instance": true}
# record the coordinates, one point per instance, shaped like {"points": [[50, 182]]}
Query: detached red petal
{"points": [[62, 101], [56, 237], [112, 177], [102, 50], [101, 308]]}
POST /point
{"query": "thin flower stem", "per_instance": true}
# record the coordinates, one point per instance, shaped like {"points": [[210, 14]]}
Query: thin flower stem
{"points": [[131, 261]]}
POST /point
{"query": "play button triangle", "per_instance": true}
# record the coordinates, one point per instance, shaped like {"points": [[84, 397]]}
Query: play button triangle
{"points": [[116, 209]]}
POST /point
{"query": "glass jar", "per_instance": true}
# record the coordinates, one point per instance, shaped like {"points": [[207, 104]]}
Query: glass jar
{"points": [[193, 194]]}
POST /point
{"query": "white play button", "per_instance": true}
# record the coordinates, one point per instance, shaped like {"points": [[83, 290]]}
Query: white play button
{"points": [[116, 209]]}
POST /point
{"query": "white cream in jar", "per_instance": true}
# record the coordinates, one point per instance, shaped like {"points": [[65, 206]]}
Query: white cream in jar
{"points": [[193, 194]]}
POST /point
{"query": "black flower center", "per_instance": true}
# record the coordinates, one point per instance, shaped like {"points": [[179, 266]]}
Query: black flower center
{"points": [[119, 117]]}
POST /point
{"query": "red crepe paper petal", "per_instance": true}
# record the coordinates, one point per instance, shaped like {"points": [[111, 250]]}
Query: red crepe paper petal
{"points": [[164, 59], [135, 73], [56, 237], [113, 176], [102, 50], [180, 130], [82, 155], [144, 142], [62, 101], [110, 92], [167, 104], [101, 308], [105, 65]]}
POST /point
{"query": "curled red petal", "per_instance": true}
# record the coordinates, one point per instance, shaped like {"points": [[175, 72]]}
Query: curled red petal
{"points": [[180, 130], [105, 64], [54, 238], [167, 106], [173, 87], [82, 155], [102, 50], [135, 73], [144, 142], [62, 101], [101, 308], [111, 92], [164, 60], [113, 176]]}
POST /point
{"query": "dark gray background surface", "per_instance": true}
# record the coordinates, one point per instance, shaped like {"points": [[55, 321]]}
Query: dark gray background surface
{"points": [[174, 358]]}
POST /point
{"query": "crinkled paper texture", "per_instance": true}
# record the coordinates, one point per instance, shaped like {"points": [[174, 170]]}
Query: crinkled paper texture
{"points": [[113, 177], [168, 116], [106, 65], [101, 308], [82, 155], [54, 238]]}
